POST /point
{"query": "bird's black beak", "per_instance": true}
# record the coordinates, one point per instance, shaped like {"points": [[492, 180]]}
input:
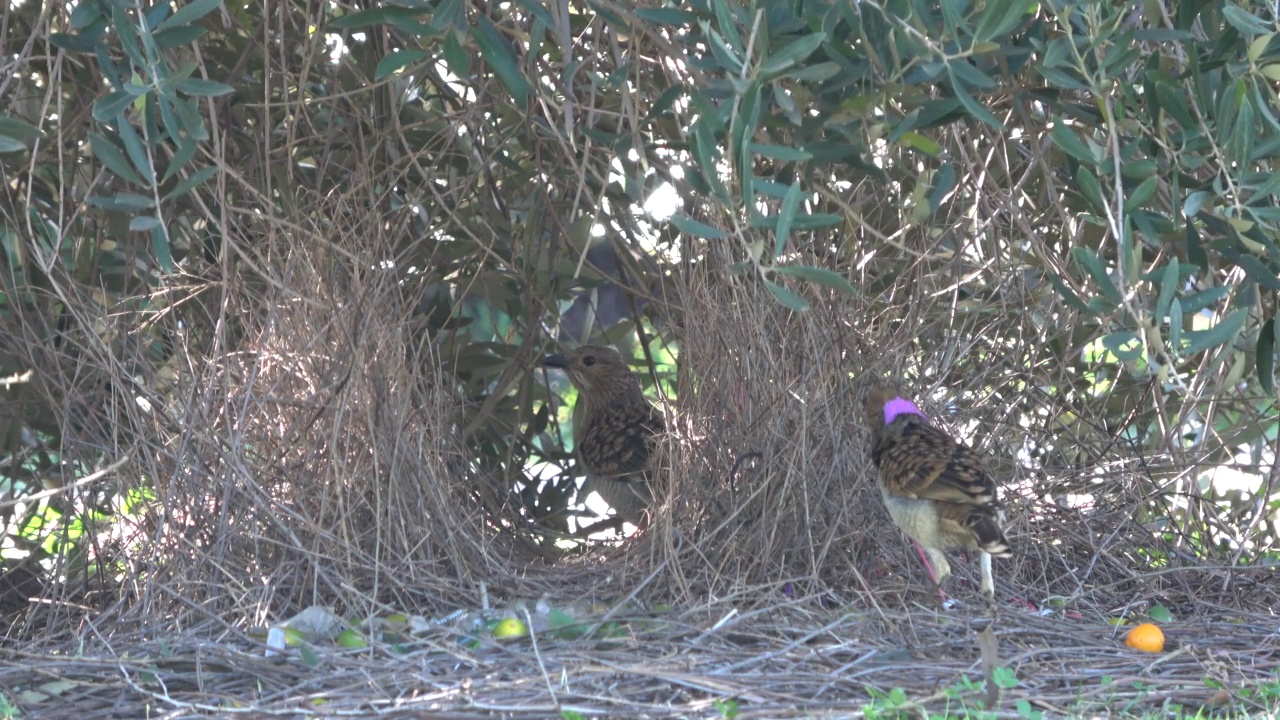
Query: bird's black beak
{"points": [[559, 360]]}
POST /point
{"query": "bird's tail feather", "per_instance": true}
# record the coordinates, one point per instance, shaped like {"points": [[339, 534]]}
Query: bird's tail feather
{"points": [[985, 524]]}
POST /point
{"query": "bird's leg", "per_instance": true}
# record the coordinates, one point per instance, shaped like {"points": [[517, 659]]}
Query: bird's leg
{"points": [[928, 566], [988, 582], [933, 576]]}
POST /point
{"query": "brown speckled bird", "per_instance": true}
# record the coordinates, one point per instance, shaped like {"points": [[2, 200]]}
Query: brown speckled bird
{"points": [[935, 488], [615, 428]]}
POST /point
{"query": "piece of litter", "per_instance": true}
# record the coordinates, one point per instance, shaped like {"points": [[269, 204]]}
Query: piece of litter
{"points": [[275, 641]]}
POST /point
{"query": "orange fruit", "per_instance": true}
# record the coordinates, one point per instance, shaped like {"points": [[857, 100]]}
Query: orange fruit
{"points": [[1145, 637]]}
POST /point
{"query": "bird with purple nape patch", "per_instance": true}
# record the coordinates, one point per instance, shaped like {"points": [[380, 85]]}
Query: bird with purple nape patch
{"points": [[935, 488]]}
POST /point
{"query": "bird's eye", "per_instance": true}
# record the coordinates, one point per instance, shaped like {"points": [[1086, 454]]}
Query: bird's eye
{"points": [[589, 360]]}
